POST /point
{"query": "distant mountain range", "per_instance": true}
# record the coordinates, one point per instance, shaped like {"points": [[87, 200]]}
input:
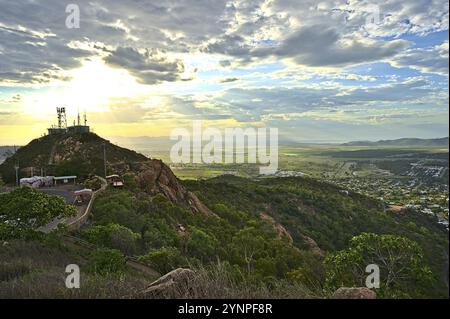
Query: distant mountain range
{"points": [[444, 142], [5, 152]]}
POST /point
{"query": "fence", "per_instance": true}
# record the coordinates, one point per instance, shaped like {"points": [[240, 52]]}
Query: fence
{"points": [[131, 261], [81, 220]]}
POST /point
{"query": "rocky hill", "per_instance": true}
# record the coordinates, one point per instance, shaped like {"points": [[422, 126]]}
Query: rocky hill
{"points": [[83, 155]]}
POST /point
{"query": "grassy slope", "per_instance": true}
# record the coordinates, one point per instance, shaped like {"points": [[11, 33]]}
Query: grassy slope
{"points": [[36, 269]]}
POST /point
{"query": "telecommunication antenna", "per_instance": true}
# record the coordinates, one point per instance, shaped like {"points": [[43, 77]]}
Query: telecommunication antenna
{"points": [[62, 118]]}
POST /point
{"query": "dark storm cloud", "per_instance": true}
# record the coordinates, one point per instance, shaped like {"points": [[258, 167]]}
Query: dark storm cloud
{"points": [[25, 57], [316, 46], [148, 66]]}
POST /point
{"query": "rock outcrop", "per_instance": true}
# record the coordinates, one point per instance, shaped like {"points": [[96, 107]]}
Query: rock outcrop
{"points": [[354, 293], [313, 246], [175, 284], [156, 177], [281, 231]]}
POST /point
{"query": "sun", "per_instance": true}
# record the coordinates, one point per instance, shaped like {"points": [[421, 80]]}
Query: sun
{"points": [[95, 84], [91, 88]]}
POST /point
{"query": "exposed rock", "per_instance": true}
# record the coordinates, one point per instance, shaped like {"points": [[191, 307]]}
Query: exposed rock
{"points": [[156, 177], [316, 250], [354, 293], [175, 284], [281, 231]]}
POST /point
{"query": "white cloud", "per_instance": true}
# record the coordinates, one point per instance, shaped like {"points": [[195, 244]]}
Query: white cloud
{"points": [[426, 60]]}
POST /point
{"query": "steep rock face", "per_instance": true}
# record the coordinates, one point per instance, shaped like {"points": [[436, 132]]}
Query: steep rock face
{"points": [[155, 177]]}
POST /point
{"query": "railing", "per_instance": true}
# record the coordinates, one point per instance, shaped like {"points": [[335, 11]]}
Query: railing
{"points": [[131, 261], [81, 220]]}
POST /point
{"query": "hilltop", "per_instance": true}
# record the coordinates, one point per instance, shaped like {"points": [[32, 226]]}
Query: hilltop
{"points": [[77, 154], [82, 155], [436, 142]]}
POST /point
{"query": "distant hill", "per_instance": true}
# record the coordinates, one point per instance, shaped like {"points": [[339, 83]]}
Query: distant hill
{"points": [[5, 152], [437, 142]]}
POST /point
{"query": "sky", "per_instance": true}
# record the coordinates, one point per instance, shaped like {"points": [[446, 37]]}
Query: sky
{"points": [[318, 70]]}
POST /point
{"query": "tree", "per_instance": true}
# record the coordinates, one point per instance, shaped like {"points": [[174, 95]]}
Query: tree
{"points": [[117, 207], [114, 236], [24, 210], [201, 245], [130, 182], [105, 261], [247, 243], [164, 259], [403, 272], [310, 273]]}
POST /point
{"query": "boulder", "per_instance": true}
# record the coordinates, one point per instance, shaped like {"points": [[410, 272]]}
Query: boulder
{"points": [[354, 293], [175, 284]]}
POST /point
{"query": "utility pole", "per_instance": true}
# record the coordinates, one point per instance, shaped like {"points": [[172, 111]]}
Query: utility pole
{"points": [[104, 157], [16, 167]]}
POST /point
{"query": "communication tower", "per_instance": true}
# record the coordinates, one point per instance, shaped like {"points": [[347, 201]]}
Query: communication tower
{"points": [[62, 117]]}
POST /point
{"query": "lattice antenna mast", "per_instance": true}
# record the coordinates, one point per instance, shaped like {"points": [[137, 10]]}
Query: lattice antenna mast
{"points": [[62, 117]]}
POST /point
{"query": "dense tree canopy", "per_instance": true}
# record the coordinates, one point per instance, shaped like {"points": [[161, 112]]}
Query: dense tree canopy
{"points": [[403, 271], [24, 210], [308, 220]]}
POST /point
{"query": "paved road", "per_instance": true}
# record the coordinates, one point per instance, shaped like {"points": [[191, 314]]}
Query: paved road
{"points": [[64, 191], [67, 193]]}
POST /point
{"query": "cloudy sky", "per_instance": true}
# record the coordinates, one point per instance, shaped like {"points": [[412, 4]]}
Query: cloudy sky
{"points": [[318, 70]]}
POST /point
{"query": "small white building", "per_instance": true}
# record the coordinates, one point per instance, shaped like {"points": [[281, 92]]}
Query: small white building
{"points": [[37, 181], [65, 180]]}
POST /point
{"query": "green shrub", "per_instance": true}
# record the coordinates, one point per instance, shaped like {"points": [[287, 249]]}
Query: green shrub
{"points": [[164, 259], [105, 262], [114, 236]]}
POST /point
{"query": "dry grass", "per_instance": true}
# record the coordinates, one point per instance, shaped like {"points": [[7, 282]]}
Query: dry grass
{"points": [[35, 270], [217, 282], [30, 270]]}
